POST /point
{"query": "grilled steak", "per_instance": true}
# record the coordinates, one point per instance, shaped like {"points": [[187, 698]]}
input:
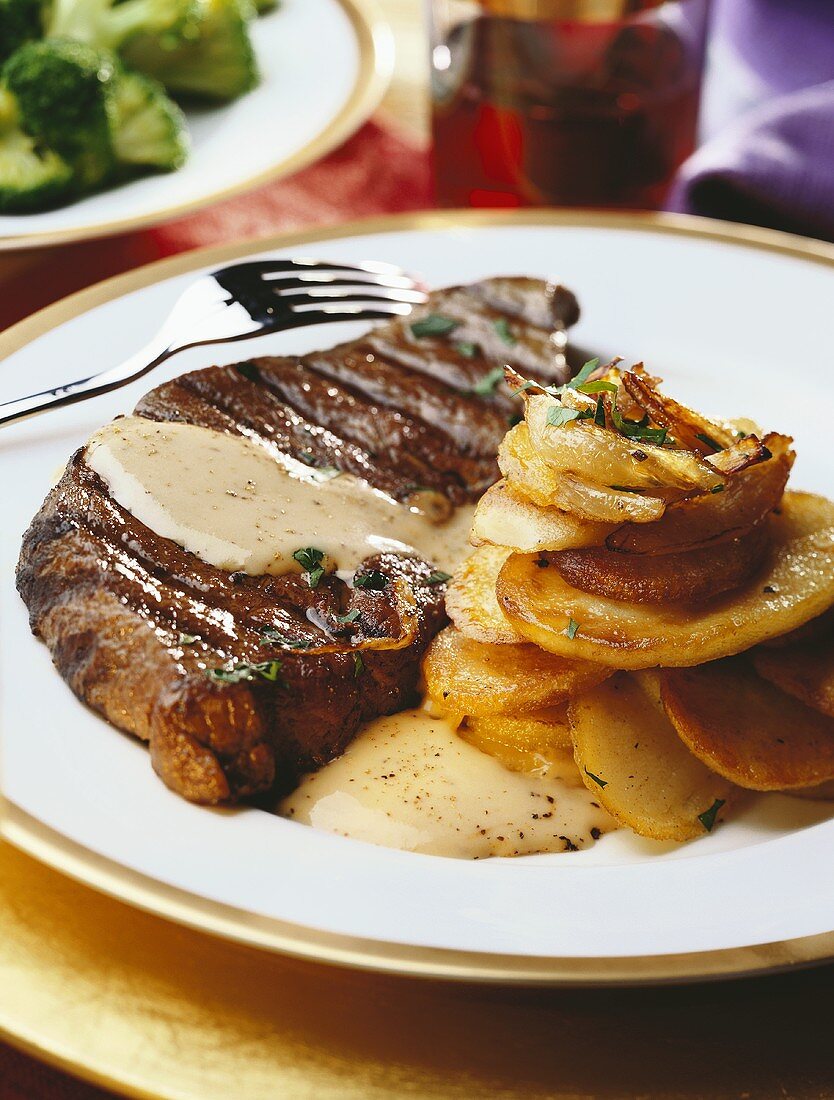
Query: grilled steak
{"points": [[134, 622]]}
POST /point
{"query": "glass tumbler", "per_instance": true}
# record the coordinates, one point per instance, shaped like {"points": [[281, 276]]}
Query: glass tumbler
{"points": [[563, 102]]}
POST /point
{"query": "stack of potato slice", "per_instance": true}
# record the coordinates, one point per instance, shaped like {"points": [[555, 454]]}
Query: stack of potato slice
{"points": [[632, 552]]}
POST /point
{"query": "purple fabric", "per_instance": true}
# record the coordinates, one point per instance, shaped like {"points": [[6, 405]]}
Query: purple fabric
{"points": [[772, 161]]}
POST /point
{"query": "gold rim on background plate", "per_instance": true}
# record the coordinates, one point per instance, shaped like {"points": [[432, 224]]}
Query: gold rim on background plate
{"points": [[375, 42], [402, 959]]}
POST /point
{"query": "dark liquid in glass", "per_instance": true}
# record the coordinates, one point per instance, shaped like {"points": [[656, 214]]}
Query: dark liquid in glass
{"points": [[532, 113]]}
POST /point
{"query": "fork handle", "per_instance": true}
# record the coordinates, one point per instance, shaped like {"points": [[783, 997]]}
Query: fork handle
{"points": [[68, 394]]}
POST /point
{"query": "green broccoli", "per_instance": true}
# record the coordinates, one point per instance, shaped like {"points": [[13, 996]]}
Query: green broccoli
{"points": [[20, 21], [194, 47], [60, 88], [72, 119], [148, 130], [31, 178]]}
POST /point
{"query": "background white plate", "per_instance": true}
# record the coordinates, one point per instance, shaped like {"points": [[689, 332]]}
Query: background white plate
{"points": [[324, 66], [735, 329]]}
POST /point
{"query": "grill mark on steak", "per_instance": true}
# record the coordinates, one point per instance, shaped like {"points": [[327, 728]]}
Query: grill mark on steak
{"points": [[111, 599]]}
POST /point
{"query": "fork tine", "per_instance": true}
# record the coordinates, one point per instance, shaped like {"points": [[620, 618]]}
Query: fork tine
{"points": [[351, 310], [349, 292], [266, 267], [281, 280]]}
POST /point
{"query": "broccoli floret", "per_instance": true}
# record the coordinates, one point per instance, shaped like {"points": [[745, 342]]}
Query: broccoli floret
{"points": [[61, 89], [194, 47], [210, 55], [31, 177], [148, 129], [20, 21]]}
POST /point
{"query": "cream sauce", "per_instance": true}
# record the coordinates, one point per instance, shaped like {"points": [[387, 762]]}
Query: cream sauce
{"points": [[409, 781], [238, 507]]}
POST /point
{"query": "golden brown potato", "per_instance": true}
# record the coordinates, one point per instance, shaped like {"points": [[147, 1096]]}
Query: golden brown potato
{"points": [[530, 476], [631, 758], [804, 671], [690, 429], [747, 498], [606, 458], [820, 627], [746, 729], [795, 585], [504, 519], [471, 603], [536, 743], [468, 677], [694, 577], [823, 793]]}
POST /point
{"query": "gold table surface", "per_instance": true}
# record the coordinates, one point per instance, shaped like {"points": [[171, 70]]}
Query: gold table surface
{"points": [[172, 1013]]}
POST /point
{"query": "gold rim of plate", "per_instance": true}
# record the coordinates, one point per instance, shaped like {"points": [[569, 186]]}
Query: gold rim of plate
{"points": [[301, 942], [376, 66]]}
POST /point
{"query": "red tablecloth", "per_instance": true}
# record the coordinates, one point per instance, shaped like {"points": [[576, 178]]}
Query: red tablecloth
{"points": [[375, 172]]}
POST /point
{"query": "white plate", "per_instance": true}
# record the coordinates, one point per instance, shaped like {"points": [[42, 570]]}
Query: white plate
{"points": [[735, 327], [324, 66]]}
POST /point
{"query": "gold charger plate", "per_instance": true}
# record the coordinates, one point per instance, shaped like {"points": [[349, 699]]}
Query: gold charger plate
{"points": [[151, 1009], [235, 925], [376, 67]]}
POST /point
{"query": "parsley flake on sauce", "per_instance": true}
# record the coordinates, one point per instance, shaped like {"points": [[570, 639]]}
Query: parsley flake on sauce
{"points": [[349, 617], [310, 561], [467, 349], [434, 325], [707, 818], [358, 665], [596, 779]]}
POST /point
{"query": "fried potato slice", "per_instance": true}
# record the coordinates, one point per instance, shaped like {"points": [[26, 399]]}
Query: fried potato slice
{"points": [[804, 671], [819, 627], [822, 793], [747, 730], [694, 576], [504, 519], [606, 458], [471, 603], [795, 584], [536, 743], [464, 676], [690, 429], [697, 521], [631, 758], [530, 476]]}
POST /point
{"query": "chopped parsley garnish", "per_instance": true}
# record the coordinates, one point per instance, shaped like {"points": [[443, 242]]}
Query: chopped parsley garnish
{"points": [[624, 489], [637, 429], [358, 665], [707, 818], [350, 617], [573, 626], [557, 415], [270, 634], [434, 325], [708, 441], [717, 489], [187, 639], [373, 579], [600, 386], [596, 779], [583, 374], [249, 370], [310, 561], [502, 327], [307, 457], [234, 674], [467, 349], [438, 577], [516, 418], [486, 386], [599, 413]]}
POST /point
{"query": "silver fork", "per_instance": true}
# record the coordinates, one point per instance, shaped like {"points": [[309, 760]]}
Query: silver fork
{"points": [[242, 301]]}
